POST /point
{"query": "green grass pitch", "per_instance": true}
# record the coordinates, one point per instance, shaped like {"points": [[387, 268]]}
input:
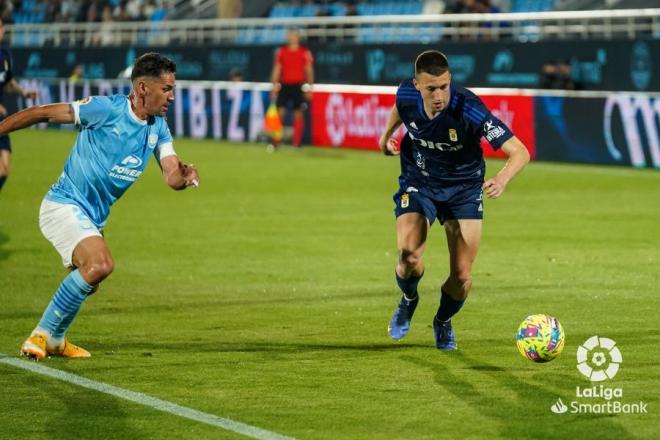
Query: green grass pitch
{"points": [[264, 297]]}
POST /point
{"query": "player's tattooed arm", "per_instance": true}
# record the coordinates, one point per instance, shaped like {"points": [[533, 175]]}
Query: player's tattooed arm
{"points": [[388, 145], [518, 158], [177, 174], [61, 113]]}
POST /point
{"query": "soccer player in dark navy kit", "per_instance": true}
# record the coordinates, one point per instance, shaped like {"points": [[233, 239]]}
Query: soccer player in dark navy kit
{"points": [[442, 177], [8, 83]]}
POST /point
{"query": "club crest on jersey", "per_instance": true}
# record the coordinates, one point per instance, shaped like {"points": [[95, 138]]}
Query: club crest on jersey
{"points": [[453, 136], [405, 200], [84, 101], [153, 138]]}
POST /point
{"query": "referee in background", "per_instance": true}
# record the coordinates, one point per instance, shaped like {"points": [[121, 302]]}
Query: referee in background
{"points": [[292, 79]]}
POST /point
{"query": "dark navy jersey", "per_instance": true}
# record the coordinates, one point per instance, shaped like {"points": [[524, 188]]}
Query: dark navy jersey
{"points": [[6, 74], [446, 149]]}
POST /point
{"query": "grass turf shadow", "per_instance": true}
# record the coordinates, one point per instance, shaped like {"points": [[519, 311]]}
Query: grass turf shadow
{"points": [[522, 416]]}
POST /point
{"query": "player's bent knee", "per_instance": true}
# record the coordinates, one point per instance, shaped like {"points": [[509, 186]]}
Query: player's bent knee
{"points": [[462, 282], [105, 267], [97, 270], [409, 259]]}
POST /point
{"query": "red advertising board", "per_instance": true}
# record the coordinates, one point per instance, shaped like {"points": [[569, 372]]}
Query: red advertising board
{"points": [[517, 112], [356, 120]]}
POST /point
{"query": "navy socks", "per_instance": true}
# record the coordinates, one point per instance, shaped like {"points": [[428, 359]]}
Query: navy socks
{"points": [[448, 307], [408, 285]]}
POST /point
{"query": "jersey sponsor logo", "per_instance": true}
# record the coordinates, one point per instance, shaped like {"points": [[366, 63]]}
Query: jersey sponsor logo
{"points": [[153, 138], [492, 131], [453, 136], [442, 146], [131, 161], [127, 169]]}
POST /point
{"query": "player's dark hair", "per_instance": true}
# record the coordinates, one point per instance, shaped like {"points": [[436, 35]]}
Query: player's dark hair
{"points": [[432, 62], [152, 64]]}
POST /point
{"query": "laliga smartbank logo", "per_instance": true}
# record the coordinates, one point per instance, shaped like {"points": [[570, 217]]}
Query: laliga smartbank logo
{"points": [[598, 359]]}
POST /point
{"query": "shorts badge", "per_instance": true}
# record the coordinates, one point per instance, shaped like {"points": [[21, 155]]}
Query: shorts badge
{"points": [[405, 200], [453, 136]]}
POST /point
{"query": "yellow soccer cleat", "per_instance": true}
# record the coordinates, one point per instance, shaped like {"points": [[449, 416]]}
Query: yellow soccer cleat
{"points": [[34, 347], [68, 350]]}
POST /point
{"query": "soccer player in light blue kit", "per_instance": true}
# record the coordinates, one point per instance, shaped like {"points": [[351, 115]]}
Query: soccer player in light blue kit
{"points": [[117, 136]]}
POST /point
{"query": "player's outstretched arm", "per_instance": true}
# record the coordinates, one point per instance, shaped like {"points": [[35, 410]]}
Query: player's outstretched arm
{"points": [[54, 113], [387, 144], [177, 174], [518, 158]]}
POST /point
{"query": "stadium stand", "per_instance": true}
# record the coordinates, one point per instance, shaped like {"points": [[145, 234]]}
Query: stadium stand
{"points": [[66, 11], [373, 22]]}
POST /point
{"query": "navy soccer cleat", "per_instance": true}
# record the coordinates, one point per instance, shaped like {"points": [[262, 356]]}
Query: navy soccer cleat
{"points": [[444, 335], [400, 323]]}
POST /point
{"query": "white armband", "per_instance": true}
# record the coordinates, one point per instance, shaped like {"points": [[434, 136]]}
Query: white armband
{"points": [[75, 105], [164, 150]]}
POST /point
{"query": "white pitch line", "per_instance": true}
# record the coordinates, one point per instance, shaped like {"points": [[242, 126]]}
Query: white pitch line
{"points": [[143, 399]]}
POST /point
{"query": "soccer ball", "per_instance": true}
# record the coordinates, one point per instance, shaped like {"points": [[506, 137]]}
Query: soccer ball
{"points": [[540, 338]]}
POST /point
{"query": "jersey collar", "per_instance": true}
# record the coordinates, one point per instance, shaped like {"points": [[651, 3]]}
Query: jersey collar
{"points": [[132, 113]]}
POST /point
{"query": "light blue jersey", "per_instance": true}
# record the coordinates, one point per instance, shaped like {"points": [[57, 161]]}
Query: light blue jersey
{"points": [[111, 152]]}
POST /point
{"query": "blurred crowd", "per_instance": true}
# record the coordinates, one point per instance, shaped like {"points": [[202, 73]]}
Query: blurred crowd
{"points": [[558, 75], [64, 11], [430, 6], [472, 7]]}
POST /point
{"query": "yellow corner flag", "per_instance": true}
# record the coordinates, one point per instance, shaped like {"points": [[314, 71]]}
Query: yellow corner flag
{"points": [[273, 123]]}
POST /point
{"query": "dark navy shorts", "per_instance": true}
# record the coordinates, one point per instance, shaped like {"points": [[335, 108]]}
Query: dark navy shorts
{"points": [[459, 201], [291, 93], [5, 143]]}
